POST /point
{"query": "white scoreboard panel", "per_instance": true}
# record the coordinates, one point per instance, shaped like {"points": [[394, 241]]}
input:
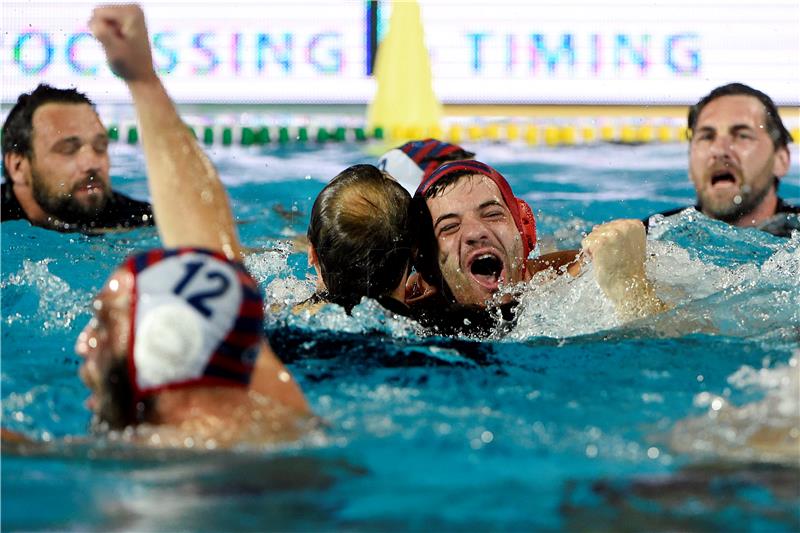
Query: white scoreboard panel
{"points": [[504, 52]]}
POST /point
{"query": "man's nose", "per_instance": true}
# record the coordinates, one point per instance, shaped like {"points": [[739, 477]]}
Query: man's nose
{"points": [[89, 160], [722, 146], [473, 230], [86, 341]]}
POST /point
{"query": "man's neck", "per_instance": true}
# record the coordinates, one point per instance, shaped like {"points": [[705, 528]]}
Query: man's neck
{"points": [[224, 416], [763, 211], [35, 214]]}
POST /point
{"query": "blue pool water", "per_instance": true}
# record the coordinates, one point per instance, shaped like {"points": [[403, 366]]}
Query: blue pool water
{"points": [[572, 421]]}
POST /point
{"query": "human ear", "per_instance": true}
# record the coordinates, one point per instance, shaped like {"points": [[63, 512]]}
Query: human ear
{"points": [[18, 167], [780, 165], [313, 261]]}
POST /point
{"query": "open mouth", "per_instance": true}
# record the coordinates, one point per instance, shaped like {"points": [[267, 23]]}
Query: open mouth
{"points": [[487, 270], [723, 178], [90, 185]]}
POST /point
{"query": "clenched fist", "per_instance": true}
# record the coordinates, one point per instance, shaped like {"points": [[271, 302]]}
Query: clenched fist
{"points": [[122, 31], [617, 250]]}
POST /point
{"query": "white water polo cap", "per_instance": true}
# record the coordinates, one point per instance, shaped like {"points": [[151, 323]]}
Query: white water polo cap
{"points": [[197, 320], [414, 161]]}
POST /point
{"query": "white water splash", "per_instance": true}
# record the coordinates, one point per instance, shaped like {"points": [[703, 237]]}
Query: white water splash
{"points": [[59, 305], [767, 430], [562, 307], [739, 300]]}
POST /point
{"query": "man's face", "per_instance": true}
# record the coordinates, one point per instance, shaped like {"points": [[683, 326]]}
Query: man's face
{"points": [[478, 242], [732, 159], [69, 161], [103, 344]]}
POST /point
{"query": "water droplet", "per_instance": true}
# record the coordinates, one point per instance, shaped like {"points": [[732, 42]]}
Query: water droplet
{"points": [[653, 452]]}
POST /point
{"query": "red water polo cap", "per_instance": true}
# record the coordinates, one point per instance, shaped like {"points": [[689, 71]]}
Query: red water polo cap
{"points": [[520, 210]]}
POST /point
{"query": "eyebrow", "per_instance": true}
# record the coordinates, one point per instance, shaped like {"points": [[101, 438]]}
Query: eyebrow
{"points": [[443, 217], [74, 139], [490, 203], [734, 128], [67, 140], [484, 205], [740, 127]]}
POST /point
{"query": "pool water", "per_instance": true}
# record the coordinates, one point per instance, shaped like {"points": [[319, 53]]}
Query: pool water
{"points": [[571, 421]]}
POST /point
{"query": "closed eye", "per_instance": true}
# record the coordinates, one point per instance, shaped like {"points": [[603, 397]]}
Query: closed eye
{"points": [[446, 229], [67, 146], [703, 135], [100, 145]]}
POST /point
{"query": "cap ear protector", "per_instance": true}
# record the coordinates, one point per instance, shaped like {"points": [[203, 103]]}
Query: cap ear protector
{"points": [[527, 226], [196, 319], [520, 210]]}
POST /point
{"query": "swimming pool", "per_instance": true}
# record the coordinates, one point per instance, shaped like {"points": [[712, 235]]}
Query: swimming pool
{"points": [[568, 423]]}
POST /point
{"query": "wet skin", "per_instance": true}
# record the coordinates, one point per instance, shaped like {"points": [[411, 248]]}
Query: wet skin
{"points": [[104, 340], [479, 245], [733, 161], [69, 165]]}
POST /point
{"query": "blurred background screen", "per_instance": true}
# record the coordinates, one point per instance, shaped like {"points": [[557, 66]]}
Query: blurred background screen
{"points": [[508, 52]]}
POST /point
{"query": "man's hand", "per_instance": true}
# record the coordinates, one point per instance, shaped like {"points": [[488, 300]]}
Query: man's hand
{"points": [[122, 32], [617, 250]]}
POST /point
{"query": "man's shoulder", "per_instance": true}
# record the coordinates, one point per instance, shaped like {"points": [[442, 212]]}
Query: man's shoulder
{"points": [[785, 220], [454, 320], [784, 207]]}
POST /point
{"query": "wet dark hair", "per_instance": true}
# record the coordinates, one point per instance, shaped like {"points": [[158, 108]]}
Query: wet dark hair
{"points": [[775, 129], [17, 129], [120, 410], [360, 228]]}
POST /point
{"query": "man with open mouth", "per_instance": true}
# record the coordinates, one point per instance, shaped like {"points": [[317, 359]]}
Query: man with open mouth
{"points": [[738, 152], [476, 237]]}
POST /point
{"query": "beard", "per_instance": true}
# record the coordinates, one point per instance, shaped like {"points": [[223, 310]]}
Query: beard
{"points": [[729, 211], [66, 207]]}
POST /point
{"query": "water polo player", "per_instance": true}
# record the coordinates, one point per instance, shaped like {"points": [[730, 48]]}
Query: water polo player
{"points": [[172, 347], [184, 323], [477, 236]]}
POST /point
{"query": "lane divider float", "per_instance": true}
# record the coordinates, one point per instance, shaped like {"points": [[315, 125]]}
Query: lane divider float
{"points": [[551, 134]]}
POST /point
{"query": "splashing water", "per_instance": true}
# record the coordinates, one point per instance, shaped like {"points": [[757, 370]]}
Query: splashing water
{"points": [[58, 304]]}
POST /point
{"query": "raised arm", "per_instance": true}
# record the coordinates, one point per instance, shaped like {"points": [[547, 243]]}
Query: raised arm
{"points": [[189, 202], [617, 250]]}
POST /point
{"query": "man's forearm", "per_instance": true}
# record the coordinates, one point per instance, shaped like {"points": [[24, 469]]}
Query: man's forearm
{"points": [[189, 201]]}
